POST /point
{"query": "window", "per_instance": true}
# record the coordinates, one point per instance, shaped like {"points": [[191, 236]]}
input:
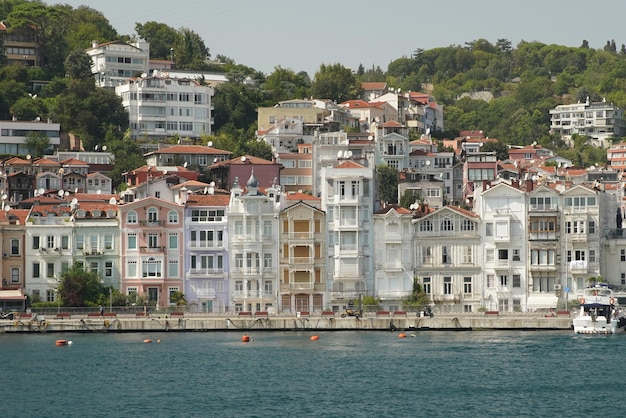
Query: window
{"points": [[426, 226], [131, 217], [93, 266], [489, 254], [151, 267], [93, 243], [267, 228], [50, 270], [153, 215], [36, 270], [267, 261], [268, 287], [108, 241], [467, 285], [447, 225], [172, 217], [516, 254], [171, 291], [153, 240], [489, 229], [173, 241], [65, 242], [517, 280], [15, 247], [131, 268], [592, 227], [426, 285], [503, 254], [467, 225], [80, 242], [427, 255], [592, 256], [467, 254], [491, 280], [172, 268], [132, 241], [15, 274], [504, 280], [35, 242], [445, 257], [447, 285], [108, 269]]}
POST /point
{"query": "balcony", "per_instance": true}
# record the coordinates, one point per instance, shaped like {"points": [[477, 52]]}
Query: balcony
{"points": [[577, 237], [194, 273], [543, 267], [205, 245], [151, 250], [350, 295], [503, 264], [151, 223], [578, 267], [301, 260], [248, 294], [301, 286], [205, 293], [542, 235]]}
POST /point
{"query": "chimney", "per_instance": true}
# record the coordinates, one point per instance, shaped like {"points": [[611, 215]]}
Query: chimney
{"points": [[529, 185]]}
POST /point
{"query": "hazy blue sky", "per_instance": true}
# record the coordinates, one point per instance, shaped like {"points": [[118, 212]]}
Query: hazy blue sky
{"points": [[302, 35]]}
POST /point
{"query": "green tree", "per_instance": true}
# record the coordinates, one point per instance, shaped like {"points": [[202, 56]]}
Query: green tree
{"points": [[387, 178], [127, 157], [37, 144], [162, 38], [335, 82], [78, 65], [78, 287], [284, 84], [409, 197], [178, 298], [418, 297], [87, 25]]}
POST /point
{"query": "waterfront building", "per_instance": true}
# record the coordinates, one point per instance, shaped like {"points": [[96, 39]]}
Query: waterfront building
{"points": [[449, 256], [253, 216], [504, 235], [186, 155], [297, 172], [12, 232], [616, 156], [284, 135], [152, 250], [302, 255], [266, 173], [394, 263], [312, 114], [48, 249], [96, 239], [207, 252], [348, 196], [392, 142], [20, 45]]}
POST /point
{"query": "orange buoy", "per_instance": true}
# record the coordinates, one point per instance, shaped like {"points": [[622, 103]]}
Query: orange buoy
{"points": [[245, 338], [402, 335], [315, 337], [147, 340], [60, 342]]}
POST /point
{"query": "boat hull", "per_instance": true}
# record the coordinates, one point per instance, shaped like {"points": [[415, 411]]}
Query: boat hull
{"points": [[586, 325]]}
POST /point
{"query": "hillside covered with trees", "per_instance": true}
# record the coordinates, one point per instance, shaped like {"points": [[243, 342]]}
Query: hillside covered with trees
{"points": [[523, 83]]}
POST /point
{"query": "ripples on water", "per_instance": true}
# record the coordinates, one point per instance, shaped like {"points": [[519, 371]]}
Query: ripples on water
{"points": [[343, 374]]}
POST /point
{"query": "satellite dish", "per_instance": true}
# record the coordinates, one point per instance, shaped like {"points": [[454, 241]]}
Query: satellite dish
{"points": [[36, 193], [210, 143], [370, 137], [67, 193], [185, 165], [98, 191], [206, 190], [243, 158], [28, 157], [7, 208], [215, 159], [104, 148], [164, 172], [41, 191], [74, 202], [4, 197], [112, 201], [339, 154], [76, 190], [95, 148], [212, 184], [427, 131], [211, 190], [349, 154], [61, 193]]}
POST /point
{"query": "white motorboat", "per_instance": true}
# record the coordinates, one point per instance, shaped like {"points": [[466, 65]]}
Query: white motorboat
{"points": [[599, 312]]}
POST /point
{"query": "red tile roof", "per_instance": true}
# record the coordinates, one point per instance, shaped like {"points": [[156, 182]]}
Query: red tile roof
{"points": [[189, 149], [349, 164]]}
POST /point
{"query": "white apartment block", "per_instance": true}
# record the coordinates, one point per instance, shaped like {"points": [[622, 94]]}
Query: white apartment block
{"points": [[113, 63], [253, 218], [159, 106], [347, 195], [599, 121], [394, 262]]}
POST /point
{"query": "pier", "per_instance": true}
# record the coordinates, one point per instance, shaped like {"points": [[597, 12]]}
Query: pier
{"points": [[323, 321]]}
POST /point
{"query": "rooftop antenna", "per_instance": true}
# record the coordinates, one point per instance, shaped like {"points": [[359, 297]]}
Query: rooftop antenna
{"points": [[112, 201]]}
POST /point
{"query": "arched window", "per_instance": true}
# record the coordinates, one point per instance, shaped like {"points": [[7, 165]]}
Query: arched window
{"points": [[467, 225], [153, 215], [131, 217], [172, 217], [426, 225], [447, 225]]}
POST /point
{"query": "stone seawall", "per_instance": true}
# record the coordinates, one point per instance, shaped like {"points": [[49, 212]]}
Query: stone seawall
{"points": [[200, 323]]}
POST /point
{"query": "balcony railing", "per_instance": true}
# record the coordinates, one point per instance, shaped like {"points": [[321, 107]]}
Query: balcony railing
{"points": [[240, 294], [500, 264], [151, 223], [206, 272], [301, 286], [152, 250]]}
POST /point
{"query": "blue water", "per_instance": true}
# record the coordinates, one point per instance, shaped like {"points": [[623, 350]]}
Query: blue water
{"points": [[343, 374]]}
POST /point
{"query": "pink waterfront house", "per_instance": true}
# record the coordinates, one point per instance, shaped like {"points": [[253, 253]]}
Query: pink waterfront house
{"points": [[152, 249]]}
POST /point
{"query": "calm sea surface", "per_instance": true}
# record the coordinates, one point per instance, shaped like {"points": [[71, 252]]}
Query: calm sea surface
{"points": [[343, 374]]}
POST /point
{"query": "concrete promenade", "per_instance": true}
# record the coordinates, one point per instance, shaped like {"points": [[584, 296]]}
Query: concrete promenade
{"points": [[284, 322]]}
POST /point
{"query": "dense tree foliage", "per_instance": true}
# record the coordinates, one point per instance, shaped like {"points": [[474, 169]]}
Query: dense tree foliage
{"points": [[387, 184], [335, 82], [78, 287]]}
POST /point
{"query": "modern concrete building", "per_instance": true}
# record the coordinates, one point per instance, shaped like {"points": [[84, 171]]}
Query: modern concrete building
{"points": [[13, 135], [113, 63], [159, 106]]}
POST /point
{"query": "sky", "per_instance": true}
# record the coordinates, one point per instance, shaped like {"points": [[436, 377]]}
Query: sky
{"points": [[301, 36]]}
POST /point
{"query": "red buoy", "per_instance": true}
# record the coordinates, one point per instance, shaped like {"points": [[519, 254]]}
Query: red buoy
{"points": [[60, 342], [147, 341], [315, 337], [402, 335], [245, 338]]}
